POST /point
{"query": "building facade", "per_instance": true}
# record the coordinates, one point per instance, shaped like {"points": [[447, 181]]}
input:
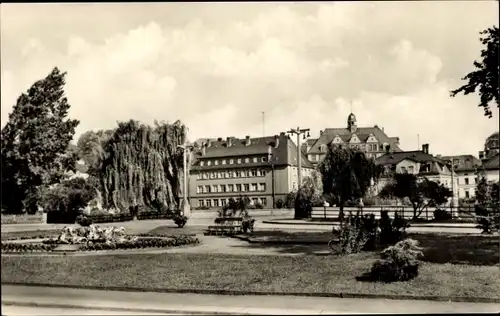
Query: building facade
{"points": [[263, 169], [491, 168], [371, 140], [466, 168]]}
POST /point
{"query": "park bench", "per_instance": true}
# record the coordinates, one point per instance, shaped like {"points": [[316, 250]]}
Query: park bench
{"points": [[225, 226]]}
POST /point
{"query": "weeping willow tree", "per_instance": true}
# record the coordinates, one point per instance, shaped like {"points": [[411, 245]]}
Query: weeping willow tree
{"points": [[142, 165]]}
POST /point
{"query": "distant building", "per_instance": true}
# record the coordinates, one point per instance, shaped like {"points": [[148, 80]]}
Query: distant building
{"points": [[371, 140], [491, 168], [419, 163], [466, 167], [225, 169], [491, 147]]}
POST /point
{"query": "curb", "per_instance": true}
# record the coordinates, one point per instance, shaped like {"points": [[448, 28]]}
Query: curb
{"points": [[278, 222], [234, 292], [116, 309]]}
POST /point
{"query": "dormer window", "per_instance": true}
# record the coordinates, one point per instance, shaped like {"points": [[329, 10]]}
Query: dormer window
{"points": [[231, 161], [202, 163], [247, 160], [209, 163], [216, 162]]}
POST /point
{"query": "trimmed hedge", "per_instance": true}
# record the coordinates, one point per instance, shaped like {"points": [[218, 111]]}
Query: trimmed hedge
{"points": [[15, 247], [22, 219], [142, 243], [155, 215], [28, 237]]}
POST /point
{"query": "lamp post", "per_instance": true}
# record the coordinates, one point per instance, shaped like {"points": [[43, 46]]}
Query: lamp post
{"points": [[271, 162], [452, 204], [186, 208], [298, 131]]}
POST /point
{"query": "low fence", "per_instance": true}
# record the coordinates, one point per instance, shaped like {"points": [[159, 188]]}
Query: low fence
{"points": [[24, 219], [405, 211]]}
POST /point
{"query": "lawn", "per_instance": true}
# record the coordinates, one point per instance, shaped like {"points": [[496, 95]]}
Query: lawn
{"points": [[276, 274], [438, 247]]}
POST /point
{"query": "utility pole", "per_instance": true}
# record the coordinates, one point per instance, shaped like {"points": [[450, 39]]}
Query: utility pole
{"points": [[186, 208], [298, 131]]}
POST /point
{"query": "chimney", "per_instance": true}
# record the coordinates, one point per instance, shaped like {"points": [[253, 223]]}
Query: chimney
{"points": [[229, 142], [282, 134], [276, 141], [209, 142], [219, 139], [203, 149], [247, 140], [320, 133], [481, 155]]}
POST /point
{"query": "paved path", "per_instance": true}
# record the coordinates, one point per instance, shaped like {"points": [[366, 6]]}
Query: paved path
{"points": [[143, 303]]}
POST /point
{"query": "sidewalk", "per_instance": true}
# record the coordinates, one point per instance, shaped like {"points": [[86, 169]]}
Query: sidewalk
{"points": [[149, 302]]}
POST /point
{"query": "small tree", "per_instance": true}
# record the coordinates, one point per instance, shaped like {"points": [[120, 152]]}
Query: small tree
{"points": [[422, 193], [487, 207], [35, 144], [485, 77], [347, 174]]}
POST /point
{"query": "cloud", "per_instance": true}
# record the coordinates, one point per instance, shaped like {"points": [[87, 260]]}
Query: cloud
{"points": [[217, 67]]}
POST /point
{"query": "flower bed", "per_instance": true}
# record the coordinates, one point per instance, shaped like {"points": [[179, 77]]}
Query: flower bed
{"points": [[99, 238], [27, 247]]}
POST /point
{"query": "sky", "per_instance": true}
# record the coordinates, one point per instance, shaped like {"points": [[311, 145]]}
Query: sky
{"points": [[218, 66]]}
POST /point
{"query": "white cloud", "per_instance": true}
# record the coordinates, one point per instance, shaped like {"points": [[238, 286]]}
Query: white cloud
{"points": [[216, 68]]}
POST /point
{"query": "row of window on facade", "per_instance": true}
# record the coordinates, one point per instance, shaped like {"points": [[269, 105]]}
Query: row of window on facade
{"points": [[239, 187], [232, 161], [317, 157], [224, 201], [363, 147], [231, 174]]}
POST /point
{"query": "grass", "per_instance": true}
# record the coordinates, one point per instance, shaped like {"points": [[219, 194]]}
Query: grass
{"points": [[275, 274], [438, 247]]}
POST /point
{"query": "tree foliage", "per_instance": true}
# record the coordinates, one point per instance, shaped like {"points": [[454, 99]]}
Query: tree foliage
{"points": [[139, 165], [35, 143], [485, 77], [422, 192], [347, 174]]}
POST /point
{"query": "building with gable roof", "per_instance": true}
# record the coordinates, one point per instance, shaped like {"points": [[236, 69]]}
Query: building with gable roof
{"points": [[371, 140], [419, 163], [224, 169]]}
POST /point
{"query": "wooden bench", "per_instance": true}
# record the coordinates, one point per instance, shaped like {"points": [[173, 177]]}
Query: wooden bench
{"points": [[221, 228]]}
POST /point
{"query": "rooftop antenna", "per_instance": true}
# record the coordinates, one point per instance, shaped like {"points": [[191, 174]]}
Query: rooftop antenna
{"points": [[351, 106], [418, 141], [263, 124]]}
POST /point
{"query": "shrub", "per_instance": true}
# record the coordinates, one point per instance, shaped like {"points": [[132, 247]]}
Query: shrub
{"points": [[66, 201], [392, 230], [83, 220], [303, 203], [205, 208], [442, 215], [280, 203], [399, 262], [259, 206], [180, 220], [247, 224], [31, 247]]}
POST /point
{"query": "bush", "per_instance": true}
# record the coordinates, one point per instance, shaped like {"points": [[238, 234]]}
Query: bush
{"points": [[358, 233], [399, 262], [204, 208], [280, 204], [83, 220], [180, 220], [150, 215], [442, 215], [303, 204], [247, 224], [66, 201], [392, 230]]}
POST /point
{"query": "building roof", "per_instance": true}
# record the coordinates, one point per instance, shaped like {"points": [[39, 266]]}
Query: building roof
{"points": [[397, 157], [493, 163], [284, 154], [464, 162], [361, 132]]}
